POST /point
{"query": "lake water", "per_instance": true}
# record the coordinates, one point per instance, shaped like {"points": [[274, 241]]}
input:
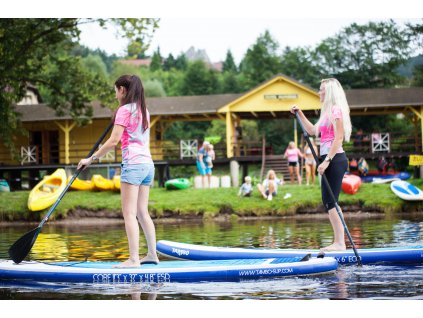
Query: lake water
{"points": [[108, 243]]}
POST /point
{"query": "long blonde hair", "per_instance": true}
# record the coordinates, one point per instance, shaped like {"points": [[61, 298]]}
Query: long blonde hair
{"points": [[335, 96]]}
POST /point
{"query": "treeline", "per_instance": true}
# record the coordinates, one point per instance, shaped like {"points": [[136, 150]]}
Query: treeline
{"points": [[47, 54], [360, 56]]}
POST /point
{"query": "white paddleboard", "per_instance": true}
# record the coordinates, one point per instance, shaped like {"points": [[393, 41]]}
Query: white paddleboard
{"points": [[406, 191]]}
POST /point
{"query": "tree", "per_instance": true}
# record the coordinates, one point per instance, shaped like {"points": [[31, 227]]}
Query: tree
{"points": [[229, 63], [38, 51], [156, 61], [169, 63], [230, 83], [199, 80], [261, 61], [365, 56], [181, 62], [298, 63], [154, 88]]}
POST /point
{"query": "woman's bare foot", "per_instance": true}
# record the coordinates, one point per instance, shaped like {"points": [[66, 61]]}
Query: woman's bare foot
{"points": [[150, 259], [128, 263], [334, 247]]}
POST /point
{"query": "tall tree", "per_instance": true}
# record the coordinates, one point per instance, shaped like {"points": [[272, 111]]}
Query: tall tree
{"points": [[156, 61], [229, 63], [199, 80], [181, 62], [366, 56], [38, 51], [169, 62], [298, 63], [261, 61]]}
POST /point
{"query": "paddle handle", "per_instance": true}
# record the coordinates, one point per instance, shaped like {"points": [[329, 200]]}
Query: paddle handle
{"points": [[326, 182], [75, 175]]}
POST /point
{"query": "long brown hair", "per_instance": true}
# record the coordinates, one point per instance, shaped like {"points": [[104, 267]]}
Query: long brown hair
{"points": [[134, 94]]}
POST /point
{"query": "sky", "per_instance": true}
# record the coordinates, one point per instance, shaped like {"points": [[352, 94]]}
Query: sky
{"points": [[216, 35], [219, 25]]}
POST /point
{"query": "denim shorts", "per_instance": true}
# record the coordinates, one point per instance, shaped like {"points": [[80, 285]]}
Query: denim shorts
{"points": [[203, 171], [138, 174]]}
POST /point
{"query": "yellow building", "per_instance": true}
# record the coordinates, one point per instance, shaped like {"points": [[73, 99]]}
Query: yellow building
{"points": [[54, 140]]}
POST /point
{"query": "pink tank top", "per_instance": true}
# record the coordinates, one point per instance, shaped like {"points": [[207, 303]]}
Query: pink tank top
{"points": [[292, 154], [327, 132]]}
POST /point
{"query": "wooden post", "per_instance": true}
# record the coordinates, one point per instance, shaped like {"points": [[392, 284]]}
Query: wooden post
{"points": [[66, 129], [229, 135]]}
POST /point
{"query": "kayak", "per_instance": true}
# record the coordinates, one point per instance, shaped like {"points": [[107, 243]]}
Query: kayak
{"points": [[116, 182], [47, 191], [4, 186], [374, 174], [406, 191], [177, 184], [81, 185], [101, 183], [165, 271], [385, 255], [351, 183]]}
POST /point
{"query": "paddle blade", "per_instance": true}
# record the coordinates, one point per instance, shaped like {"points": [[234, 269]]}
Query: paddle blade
{"points": [[20, 249]]}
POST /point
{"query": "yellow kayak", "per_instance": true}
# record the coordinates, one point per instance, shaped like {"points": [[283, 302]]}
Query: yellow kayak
{"points": [[116, 182], [79, 184], [47, 191], [101, 183]]}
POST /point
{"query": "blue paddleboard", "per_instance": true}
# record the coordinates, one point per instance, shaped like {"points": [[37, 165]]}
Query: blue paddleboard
{"points": [[406, 191], [385, 256], [165, 271]]}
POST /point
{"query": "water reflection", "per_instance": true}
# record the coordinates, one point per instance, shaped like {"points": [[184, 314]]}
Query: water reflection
{"points": [[109, 243]]}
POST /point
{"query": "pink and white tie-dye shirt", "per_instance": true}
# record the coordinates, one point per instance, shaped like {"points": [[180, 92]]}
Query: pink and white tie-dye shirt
{"points": [[327, 132], [135, 142]]}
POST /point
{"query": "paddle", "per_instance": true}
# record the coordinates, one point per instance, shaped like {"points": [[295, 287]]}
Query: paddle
{"points": [[20, 249], [325, 180]]}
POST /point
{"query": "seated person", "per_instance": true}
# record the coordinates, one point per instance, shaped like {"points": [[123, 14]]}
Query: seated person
{"points": [[269, 188], [246, 188]]}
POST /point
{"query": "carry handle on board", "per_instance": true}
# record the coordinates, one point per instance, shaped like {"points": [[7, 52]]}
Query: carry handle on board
{"points": [[20, 249], [325, 180]]}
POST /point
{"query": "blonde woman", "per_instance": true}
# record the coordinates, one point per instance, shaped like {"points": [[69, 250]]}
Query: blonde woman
{"points": [[310, 163], [334, 126], [269, 188], [292, 153]]}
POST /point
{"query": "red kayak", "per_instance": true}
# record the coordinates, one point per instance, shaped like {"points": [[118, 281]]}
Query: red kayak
{"points": [[351, 183]]}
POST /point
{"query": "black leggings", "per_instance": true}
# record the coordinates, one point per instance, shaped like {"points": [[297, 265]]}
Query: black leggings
{"points": [[334, 173]]}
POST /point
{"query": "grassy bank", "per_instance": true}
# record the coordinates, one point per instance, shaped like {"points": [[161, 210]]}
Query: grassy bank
{"points": [[211, 202]]}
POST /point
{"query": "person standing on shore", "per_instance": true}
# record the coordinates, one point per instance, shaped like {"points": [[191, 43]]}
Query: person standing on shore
{"points": [[202, 163], [310, 163], [334, 126], [132, 129], [293, 154]]}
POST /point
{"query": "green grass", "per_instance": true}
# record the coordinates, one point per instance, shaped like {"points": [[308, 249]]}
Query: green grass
{"points": [[212, 202]]}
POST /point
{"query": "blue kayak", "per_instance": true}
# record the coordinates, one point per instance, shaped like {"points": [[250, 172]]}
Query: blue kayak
{"points": [[165, 271], [386, 256]]}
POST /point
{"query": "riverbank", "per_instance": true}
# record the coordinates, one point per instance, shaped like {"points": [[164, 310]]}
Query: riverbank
{"points": [[210, 203]]}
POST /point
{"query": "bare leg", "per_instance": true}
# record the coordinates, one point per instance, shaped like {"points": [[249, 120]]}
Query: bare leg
{"points": [[204, 181], [313, 173], [338, 230], [209, 179], [147, 224], [308, 173], [291, 174], [297, 171], [129, 198], [261, 190]]}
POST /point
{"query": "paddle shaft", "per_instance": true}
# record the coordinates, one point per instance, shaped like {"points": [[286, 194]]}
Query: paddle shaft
{"points": [[326, 182], [75, 175]]}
